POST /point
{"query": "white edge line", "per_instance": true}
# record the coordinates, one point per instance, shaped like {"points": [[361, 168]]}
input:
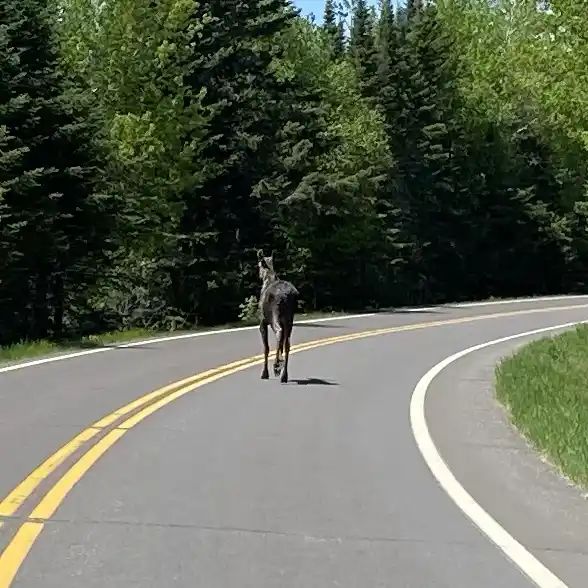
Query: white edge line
{"points": [[515, 300], [142, 342], [514, 550]]}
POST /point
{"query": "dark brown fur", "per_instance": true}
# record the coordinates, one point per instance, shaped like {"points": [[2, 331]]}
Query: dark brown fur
{"points": [[278, 301]]}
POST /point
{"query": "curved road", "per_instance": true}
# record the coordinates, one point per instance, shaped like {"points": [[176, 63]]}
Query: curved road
{"points": [[248, 483]]}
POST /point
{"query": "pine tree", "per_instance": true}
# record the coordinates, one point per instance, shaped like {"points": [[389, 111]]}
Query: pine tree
{"points": [[519, 221], [55, 228], [252, 115], [416, 98], [341, 38], [392, 70], [413, 8], [333, 26], [362, 49]]}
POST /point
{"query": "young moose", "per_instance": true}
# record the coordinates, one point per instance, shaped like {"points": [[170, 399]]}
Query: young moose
{"points": [[277, 305]]}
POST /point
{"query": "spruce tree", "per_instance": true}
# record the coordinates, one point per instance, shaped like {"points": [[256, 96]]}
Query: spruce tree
{"points": [[362, 49], [252, 115], [55, 228], [392, 69], [413, 8], [341, 38], [333, 26], [519, 221], [416, 98]]}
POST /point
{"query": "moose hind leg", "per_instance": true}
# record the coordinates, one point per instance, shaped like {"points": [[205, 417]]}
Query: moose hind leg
{"points": [[280, 331], [263, 328], [288, 332]]}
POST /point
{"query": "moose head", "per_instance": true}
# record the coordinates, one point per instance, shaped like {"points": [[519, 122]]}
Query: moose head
{"points": [[266, 266]]}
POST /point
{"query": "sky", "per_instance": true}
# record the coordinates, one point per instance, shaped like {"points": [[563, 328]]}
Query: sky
{"points": [[316, 7]]}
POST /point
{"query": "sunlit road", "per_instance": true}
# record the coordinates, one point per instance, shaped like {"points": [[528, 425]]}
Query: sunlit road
{"points": [[248, 483]]}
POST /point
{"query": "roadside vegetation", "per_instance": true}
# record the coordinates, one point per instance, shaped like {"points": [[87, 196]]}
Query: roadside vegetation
{"points": [[544, 387], [43, 347], [392, 156]]}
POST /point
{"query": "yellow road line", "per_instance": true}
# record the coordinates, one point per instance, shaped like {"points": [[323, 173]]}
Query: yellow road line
{"points": [[15, 553], [15, 499], [13, 556]]}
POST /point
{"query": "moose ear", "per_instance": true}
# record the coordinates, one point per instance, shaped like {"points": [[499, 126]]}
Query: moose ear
{"points": [[260, 254]]}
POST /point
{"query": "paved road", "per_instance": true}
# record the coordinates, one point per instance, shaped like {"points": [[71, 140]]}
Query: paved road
{"points": [[246, 483]]}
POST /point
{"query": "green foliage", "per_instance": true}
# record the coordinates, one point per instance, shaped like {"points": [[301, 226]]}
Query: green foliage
{"points": [[56, 223], [435, 153], [249, 310]]}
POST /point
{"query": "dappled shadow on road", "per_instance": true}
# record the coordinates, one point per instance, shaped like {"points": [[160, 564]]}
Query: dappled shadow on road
{"points": [[331, 323], [126, 346], [414, 311], [428, 310], [325, 325], [312, 382]]}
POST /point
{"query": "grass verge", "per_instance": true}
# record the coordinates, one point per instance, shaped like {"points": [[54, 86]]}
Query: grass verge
{"points": [[544, 387], [30, 349]]}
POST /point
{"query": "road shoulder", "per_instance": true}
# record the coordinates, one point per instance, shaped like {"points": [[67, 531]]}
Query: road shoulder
{"points": [[504, 475]]}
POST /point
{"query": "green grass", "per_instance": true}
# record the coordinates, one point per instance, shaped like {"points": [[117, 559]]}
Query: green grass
{"points": [[27, 349], [30, 349], [544, 386]]}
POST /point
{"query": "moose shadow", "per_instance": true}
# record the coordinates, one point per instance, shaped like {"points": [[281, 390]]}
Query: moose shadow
{"points": [[312, 382]]}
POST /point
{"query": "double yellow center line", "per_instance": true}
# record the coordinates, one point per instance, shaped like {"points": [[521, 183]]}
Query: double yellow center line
{"points": [[16, 551]]}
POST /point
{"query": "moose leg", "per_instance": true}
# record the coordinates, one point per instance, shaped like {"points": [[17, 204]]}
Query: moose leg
{"points": [[279, 348], [263, 328], [287, 332]]}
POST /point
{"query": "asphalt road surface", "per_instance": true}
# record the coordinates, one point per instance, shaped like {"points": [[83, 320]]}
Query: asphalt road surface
{"points": [[319, 483]]}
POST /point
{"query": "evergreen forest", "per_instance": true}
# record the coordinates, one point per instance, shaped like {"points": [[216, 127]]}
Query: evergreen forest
{"points": [[393, 155]]}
